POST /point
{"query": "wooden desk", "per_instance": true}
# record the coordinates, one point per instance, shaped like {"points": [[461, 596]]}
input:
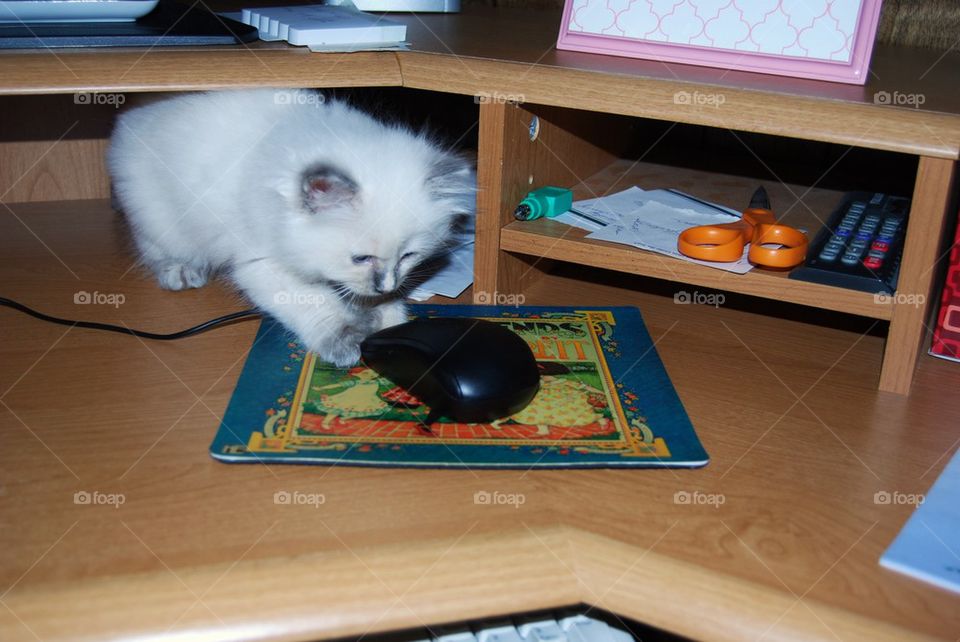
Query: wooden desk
{"points": [[800, 443]]}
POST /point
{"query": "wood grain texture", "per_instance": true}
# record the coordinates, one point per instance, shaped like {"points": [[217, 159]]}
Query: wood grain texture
{"points": [[52, 148], [487, 51], [490, 266], [922, 258], [200, 549], [53, 171], [180, 69], [566, 149], [558, 241], [626, 581], [858, 125], [800, 440], [461, 56]]}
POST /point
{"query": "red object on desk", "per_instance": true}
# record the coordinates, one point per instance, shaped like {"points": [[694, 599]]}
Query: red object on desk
{"points": [[946, 335]]}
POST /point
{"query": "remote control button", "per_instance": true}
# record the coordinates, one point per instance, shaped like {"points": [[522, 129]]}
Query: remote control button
{"points": [[843, 233], [850, 259], [877, 254], [872, 263], [885, 238], [869, 227], [872, 218], [880, 246], [828, 257], [863, 236], [877, 199], [833, 246], [858, 245]]}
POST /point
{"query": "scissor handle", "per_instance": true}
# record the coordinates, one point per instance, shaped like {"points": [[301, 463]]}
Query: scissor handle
{"points": [[715, 242], [793, 252]]}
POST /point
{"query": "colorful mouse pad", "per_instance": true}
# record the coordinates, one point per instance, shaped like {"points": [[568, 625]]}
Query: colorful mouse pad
{"points": [[605, 401]]}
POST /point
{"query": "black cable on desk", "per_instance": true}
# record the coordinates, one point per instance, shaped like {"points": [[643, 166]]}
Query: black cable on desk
{"points": [[93, 325]]}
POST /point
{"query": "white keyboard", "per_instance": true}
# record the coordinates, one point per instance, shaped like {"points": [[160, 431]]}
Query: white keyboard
{"points": [[576, 628]]}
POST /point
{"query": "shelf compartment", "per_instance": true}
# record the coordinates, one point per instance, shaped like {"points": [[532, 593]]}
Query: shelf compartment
{"points": [[803, 207]]}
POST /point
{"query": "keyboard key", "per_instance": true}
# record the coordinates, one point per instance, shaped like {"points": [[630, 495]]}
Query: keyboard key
{"points": [[543, 631], [499, 634], [580, 628], [872, 263], [459, 636]]}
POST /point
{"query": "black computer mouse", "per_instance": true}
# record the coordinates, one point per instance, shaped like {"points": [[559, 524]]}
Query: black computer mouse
{"points": [[468, 370]]}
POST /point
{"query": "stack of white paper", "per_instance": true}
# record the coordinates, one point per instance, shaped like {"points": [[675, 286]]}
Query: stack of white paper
{"points": [[325, 26], [651, 220]]}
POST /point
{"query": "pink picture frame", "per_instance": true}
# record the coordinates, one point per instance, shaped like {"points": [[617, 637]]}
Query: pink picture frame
{"points": [[823, 39]]}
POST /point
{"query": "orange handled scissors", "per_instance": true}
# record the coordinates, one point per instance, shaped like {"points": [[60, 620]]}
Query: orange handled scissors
{"points": [[757, 227]]}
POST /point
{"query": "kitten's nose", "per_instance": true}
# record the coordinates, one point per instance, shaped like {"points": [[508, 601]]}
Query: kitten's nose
{"points": [[384, 281]]}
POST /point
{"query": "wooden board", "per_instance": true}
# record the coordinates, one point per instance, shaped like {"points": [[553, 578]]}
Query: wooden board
{"points": [[800, 444]]}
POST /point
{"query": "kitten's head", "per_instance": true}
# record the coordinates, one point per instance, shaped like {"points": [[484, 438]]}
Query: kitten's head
{"points": [[364, 226]]}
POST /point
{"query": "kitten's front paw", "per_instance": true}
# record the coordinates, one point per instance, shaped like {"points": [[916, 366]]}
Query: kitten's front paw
{"points": [[342, 350], [179, 276], [342, 355], [393, 314]]}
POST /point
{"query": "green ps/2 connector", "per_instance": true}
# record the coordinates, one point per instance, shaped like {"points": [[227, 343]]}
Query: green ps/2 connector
{"points": [[546, 201]]}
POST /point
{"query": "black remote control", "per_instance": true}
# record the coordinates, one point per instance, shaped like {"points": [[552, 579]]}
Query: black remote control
{"points": [[860, 246]]}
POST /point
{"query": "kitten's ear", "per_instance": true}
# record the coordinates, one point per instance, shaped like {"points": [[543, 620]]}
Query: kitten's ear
{"points": [[450, 173], [326, 187], [452, 182]]}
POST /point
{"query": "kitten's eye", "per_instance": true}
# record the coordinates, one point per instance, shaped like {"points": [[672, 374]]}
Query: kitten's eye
{"points": [[360, 259], [408, 255]]}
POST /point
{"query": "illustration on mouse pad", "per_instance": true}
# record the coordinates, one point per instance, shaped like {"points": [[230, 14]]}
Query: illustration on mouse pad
{"points": [[604, 400], [572, 401]]}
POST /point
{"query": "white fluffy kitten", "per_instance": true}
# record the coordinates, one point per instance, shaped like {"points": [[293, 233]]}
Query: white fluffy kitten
{"points": [[315, 210]]}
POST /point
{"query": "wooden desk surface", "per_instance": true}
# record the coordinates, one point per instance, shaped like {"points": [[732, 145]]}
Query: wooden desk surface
{"points": [[509, 54], [800, 444]]}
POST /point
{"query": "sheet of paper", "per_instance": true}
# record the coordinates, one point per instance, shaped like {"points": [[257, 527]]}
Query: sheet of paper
{"points": [[454, 278], [595, 213], [653, 220]]}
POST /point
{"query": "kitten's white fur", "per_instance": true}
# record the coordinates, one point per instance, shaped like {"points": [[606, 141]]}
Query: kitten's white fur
{"points": [[314, 209]]}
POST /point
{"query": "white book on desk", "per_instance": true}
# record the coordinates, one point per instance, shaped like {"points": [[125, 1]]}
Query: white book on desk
{"points": [[307, 25]]}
